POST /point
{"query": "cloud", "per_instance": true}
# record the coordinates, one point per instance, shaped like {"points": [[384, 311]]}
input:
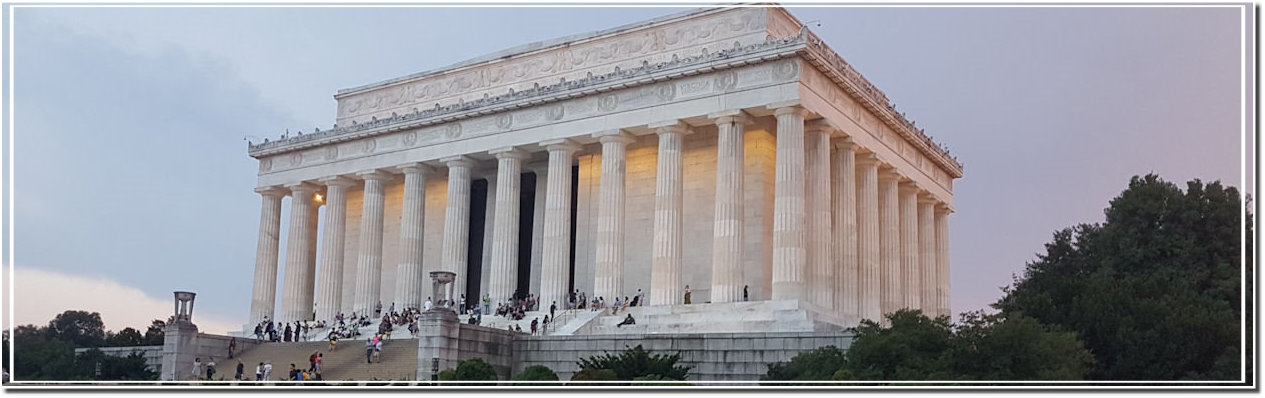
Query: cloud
{"points": [[39, 295]]}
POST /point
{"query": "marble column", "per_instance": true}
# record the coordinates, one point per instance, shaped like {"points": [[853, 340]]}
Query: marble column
{"points": [[307, 294], [264, 294], [910, 273], [665, 263], [819, 275], [504, 277], [789, 252], [609, 279], [869, 253], [727, 273], [329, 297], [556, 243], [408, 274], [843, 235], [369, 260], [889, 242], [928, 296], [298, 253], [944, 306], [457, 221]]}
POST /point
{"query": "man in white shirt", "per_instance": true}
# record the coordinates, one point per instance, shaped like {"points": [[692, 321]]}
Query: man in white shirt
{"points": [[268, 371], [197, 368], [428, 304]]}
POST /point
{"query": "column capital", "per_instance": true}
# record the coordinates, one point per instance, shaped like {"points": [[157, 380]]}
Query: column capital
{"points": [[943, 208], [374, 175], [458, 161], [925, 197], [617, 136], [670, 127], [415, 167], [908, 186], [272, 191], [302, 188], [843, 143], [508, 152], [789, 108], [564, 145], [730, 116], [337, 181], [887, 172], [868, 159], [820, 126]]}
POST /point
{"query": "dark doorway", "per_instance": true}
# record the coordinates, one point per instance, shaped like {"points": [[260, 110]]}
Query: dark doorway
{"points": [[575, 199], [474, 247], [526, 215]]}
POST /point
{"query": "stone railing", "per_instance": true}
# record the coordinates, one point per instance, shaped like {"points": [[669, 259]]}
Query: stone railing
{"points": [[848, 78], [564, 89]]}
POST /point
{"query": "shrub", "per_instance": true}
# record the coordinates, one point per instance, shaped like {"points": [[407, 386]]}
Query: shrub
{"points": [[637, 362]]}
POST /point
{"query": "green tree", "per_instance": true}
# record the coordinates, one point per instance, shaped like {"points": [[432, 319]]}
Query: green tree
{"points": [[818, 364], [127, 337], [470, 370], [38, 357], [536, 372], [912, 348], [637, 362], [154, 334], [78, 328], [594, 375], [1015, 347], [1154, 290]]}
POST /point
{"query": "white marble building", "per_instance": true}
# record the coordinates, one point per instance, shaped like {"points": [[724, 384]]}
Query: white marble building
{"points": [[718, 148]]}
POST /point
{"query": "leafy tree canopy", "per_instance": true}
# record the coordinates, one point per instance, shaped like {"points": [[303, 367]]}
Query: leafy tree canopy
{"points": [[537, 372], [1154, 291], [471, 369], [637, 362], [78, 328]]}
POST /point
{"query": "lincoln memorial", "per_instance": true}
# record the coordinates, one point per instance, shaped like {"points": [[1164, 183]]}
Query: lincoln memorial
{"points": [[724, 149]]}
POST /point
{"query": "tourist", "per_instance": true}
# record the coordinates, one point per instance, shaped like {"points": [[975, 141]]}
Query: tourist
{"points": [[461, 305], [636, 299], [534, 324], [259, 333], [368, 351], [268, 370], [428, 304], [259, 372], [377, 309], [487, 303], [628, 320], [333, 340], [210, 368], [392, 310], [232, 345], [553, 307], [518, 328], [377, 350], [641, 297], [687, 294], [320, 358], [240, 369], [615, 309], [583, 301], [197, 368], [294, 373], [544, 326], [287, 333], [745, 297], [311, 360]]}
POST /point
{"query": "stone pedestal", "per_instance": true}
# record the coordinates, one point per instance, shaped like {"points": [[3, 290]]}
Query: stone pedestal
{"points": [[437, 342]]}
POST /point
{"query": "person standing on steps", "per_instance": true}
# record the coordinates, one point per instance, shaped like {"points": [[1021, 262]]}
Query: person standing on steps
{"points": [[268, 370], [197, 368], [377, 309], [552, 308], [745, 297], [487, 304], [240, 368], [369, 351], [259, 372], [210, 368], [687, 294]]}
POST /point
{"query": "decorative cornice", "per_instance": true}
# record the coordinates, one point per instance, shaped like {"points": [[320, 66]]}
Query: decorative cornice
{"points": [[830, 63], [707, 61]]}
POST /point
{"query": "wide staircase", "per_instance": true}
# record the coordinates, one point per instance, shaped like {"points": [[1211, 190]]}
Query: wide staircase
{"points": [[739, 317], [398, 360]]}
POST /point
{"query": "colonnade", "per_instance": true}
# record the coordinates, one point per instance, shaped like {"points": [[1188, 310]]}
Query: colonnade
{"points": [[851, 234]]}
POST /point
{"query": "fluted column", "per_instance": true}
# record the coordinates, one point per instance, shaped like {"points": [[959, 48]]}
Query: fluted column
{"points": [[843, 196], [264, 293], [457, 220], [556, 243], [665, 268], [329, 297], [727, 226], [298, 252], [944, 306], [820, 274], [869, 253], [408, 274], [910, 272], [928, 294], [608, 278], [504, 278], [307, 294], [369, 260], [889, 242], [789, 251]]}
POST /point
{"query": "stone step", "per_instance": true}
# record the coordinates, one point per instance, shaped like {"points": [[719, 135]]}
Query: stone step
{"points": [[398, 360], [714, 327]]}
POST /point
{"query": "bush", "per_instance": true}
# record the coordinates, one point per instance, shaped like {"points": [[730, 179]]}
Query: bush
{"points": [[818, 364], [535, 373], [471, 370], [637, 362], [594, 375]]}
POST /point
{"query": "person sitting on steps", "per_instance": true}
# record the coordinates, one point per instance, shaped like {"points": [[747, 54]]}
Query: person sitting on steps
{"points": [[628, 320]]}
